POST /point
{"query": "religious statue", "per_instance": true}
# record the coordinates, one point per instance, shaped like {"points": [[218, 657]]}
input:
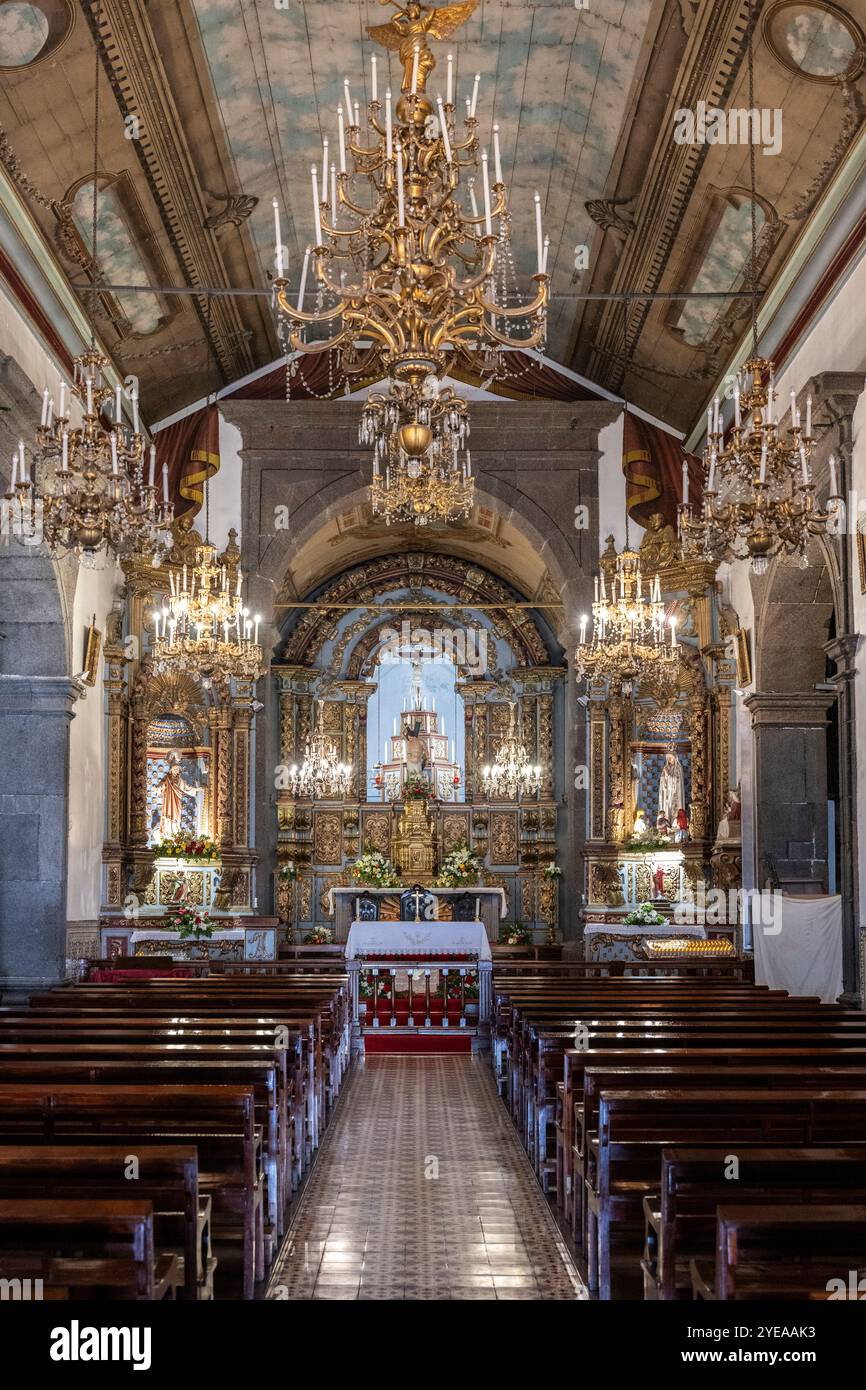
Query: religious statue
{"points": [[729, 825], [672, 794], [172, 790], [681, 833], [416, 755], [640, 825], [410, 28]]}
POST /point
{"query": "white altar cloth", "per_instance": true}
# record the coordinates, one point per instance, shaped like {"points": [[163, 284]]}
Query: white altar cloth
{"points": [[421, 938]]}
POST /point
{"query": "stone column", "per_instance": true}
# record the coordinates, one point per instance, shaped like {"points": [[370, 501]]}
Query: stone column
{"points": [[843, 651], [790, 782], [35, 714]]}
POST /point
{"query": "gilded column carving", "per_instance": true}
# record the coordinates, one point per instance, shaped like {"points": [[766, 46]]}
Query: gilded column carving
{"points": [[138, 797], [545, 743], [224, 776], [616, 814], [699, 811], [287, 726], [596, 770], [115, 687], [242, 725], [468, 759]]}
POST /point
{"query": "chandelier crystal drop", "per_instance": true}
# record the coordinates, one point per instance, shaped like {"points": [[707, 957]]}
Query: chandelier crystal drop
{"points": [[88, 490], [512, 774], [322, 775], [409, 282], [205, 628], [630, 635]]}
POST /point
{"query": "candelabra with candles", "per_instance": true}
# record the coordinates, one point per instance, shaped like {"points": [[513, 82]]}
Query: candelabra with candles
{"points": [[85, 490], [410, 283], [322, 775], [204, 628], [759, 494], [629, 631], [511, 774]]}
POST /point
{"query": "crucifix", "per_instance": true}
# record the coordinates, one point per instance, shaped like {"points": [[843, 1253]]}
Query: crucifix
{"points": [[417, 896]]}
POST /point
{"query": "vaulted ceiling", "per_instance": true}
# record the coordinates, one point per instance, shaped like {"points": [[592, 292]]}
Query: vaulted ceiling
{"points": [[209, 108]]}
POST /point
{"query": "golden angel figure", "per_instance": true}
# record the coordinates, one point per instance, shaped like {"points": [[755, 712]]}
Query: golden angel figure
{"points": [[411, 26]]}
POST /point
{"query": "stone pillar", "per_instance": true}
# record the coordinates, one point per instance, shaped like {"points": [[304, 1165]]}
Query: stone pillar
{"points": [[790, 787], [843, 651], [35, 714]]}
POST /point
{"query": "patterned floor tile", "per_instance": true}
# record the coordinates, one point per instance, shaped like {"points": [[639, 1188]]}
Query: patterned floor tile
{"points": [[422, 1191]]}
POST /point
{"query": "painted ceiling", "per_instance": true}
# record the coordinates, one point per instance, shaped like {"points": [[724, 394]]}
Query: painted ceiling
{"points": [[210, 108]]}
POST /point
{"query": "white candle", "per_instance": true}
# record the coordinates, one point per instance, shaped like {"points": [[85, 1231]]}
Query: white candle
{"points": [[44, 419], [488, 223], [709, 420], [14, 482], [24, 477], [324, 169], [304, 270], [416, 54], [596, 588], [165, 483], [583, 623], [374, 89], [62, 399], [716, 415], [449, 85], [472, 199], [443, 128], [341, 135], [357, 109], [474, 100], [113, 452], [348, 100], [834, 488], [546, 253], [712, 477], [278, 239], [89, 396], [809, 417], [152, 473], [795, 414], [685, 483], [762, 477], [804, 466], [317, 215], [118, 408], [389, 146], [737, 404], [256, 620], [50, 419], [135, 412], [401, 210], [65, 451], [497, 161], [539, 237], [334, 203], [673, 632]]}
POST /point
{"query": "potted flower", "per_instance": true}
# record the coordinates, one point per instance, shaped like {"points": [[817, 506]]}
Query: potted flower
{"points": [[644, 916], [288, 871], [190, 921], [187, 847], [460, 868], [374, 869], [319, 936], [551, 871], [514, 934]]}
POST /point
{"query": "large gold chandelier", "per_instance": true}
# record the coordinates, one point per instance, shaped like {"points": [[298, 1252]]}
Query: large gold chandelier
{"points": [[629, 632], [205, 628], [759, 493], [88, 490], [413, 278], [511, 774], [322, 775]]}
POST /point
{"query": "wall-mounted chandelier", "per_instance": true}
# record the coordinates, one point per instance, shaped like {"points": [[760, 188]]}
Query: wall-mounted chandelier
{"points": [[412, 279], [511, 774], [322, 775], [759, 494], [205, 628], [630, 637], [88, 489]]}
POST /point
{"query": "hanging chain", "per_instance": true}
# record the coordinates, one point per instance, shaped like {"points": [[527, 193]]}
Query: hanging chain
{"points": [[753, 181], [95, 275]]}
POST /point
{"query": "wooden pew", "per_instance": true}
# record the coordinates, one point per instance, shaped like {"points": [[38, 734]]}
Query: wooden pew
{"points": [[782, 1252], [218, 1120], [85, 1249], [167, 1177], [634, 1126], [680, 1220]]}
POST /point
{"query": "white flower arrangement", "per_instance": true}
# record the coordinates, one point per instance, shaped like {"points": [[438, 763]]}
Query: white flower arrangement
{"points": [[644, 916]]}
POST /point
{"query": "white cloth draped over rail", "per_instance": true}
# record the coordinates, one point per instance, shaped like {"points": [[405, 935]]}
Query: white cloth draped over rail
{"points": [[417, 938], [798, 947]]}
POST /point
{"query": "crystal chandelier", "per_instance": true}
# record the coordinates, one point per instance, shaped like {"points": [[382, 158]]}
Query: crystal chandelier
{"points": [[512, 774], [86, 491], [629, 632], [420, 472], [204, 628], [321, 775], [759, 494], [412, 278]]}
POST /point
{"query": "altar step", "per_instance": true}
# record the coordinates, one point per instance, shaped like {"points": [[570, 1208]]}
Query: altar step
{"points": [[417, 1042]]}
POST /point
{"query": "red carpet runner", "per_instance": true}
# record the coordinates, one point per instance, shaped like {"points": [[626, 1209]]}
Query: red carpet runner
{"points": [[413, 1044]]}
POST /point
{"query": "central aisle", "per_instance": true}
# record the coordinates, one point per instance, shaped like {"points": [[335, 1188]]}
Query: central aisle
{"points": [[421, 1190]]}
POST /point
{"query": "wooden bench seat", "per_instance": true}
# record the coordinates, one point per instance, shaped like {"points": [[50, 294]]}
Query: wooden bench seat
{"points": [[783, 1252], [680, 1219], [85, 1249]]}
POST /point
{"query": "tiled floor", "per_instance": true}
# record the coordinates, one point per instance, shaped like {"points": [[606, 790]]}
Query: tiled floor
{"points": [[421, 1190]]}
